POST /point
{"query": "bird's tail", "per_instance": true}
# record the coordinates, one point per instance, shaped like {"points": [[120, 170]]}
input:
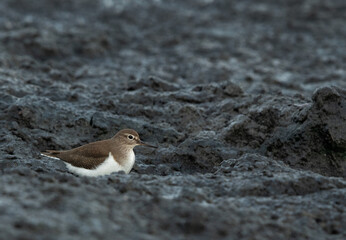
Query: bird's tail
{"points": [[51, 154]]}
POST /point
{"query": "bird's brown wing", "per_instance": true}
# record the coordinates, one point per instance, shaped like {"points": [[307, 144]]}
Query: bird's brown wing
{"points": [[88, 156]]}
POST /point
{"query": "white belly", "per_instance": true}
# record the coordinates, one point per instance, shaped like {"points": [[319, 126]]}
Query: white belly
{"points": [[107, 167]]}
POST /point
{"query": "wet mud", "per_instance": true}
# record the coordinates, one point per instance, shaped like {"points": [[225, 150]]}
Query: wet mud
{"points": [[246, 99]]}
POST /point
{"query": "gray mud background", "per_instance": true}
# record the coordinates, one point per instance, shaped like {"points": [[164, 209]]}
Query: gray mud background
{"points": [[246, 99]]}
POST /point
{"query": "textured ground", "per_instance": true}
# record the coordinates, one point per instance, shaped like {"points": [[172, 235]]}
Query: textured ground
{"points": [[247, 100]]}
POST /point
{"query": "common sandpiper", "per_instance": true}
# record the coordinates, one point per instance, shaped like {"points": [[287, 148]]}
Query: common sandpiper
{"points": [[101, 157]]}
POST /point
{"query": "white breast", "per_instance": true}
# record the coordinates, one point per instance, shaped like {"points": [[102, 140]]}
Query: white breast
{"points": [[130, 161], [107, 167]]}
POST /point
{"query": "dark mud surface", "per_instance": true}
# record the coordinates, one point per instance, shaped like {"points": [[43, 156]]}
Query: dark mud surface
{"points": [[247, 100]]}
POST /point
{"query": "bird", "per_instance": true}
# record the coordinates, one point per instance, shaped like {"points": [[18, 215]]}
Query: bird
{"points": [[102, 157]]}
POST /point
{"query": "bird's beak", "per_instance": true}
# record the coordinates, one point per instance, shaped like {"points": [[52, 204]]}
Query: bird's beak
{"points": [[140, 142]]}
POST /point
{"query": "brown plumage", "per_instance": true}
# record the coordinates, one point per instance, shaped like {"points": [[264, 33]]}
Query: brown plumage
{"points": [[91, 155]]}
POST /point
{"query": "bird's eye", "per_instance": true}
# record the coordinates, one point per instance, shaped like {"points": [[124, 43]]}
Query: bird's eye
{"points": [[130, 137]]}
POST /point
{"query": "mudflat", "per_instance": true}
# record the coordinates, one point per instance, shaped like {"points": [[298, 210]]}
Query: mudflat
{"points": [[246, 99]]}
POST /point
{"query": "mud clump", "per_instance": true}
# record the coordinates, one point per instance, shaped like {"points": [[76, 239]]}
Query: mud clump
{"points": [[318, 135], [246, 101]]}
